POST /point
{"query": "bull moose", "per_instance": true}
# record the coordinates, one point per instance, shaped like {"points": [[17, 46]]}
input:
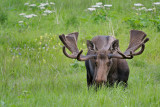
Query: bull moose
{"points": [[105, 63]]}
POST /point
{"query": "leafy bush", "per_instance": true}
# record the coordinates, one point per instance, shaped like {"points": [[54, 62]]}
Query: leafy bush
{"points": [[156, 22], [3, 17], [99, 15], [139, 21]]}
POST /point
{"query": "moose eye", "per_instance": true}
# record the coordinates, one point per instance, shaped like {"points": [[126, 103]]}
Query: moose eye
{"points": [[96, 63], [109, 63], [95, 57]]}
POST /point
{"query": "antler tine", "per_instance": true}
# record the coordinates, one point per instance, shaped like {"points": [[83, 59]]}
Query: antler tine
{"points": [[142, 45], [141, 51], [120, 55], [63, 39], [80, 57], [67, 55], [124, 56]]}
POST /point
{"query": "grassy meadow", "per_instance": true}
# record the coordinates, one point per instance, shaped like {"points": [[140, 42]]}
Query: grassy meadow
{"points": [[34, 72]]}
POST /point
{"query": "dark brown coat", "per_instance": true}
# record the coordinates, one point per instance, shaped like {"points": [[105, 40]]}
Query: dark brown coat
{"points": [[104, 62]]}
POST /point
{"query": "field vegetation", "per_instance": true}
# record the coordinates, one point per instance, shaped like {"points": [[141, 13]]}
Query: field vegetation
{"points": [[34, 71]]}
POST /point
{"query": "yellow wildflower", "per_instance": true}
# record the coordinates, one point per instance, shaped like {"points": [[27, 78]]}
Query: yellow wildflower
{"points": [[44, 61], [46, 34], [41, 37]]}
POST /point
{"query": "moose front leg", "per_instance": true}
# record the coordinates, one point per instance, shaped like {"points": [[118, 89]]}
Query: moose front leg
{"points": [[123, 71]]}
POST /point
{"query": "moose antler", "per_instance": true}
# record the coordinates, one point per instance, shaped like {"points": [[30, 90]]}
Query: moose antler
{"points": [[137, 40], [70, 42]]}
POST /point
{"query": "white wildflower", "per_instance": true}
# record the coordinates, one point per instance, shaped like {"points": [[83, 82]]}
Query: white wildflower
{"points": [[156, 3], [99, 3], [30, 16], [44, 14], [149, 9], [138, 4], [108, 5], [47, 3], [47, 11], [22, 14], [20, 22], [26, 3], [32, 5], [91, 9], [34, 15], [42, 8], [95, 6], [143, 8], [43, 4], [52, 3]]}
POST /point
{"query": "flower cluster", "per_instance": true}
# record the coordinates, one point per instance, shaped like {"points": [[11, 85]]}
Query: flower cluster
{"points": [[138, 4], [42, 6], [99, 5], [45, 43], [156, 3], [28, 16], [140, 7]]}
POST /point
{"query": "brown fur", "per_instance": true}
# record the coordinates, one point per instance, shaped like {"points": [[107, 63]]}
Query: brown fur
{"points": [[104, 62]]}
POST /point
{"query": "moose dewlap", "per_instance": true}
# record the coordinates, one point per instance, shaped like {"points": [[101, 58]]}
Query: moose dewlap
{"points": [[104, 62]]}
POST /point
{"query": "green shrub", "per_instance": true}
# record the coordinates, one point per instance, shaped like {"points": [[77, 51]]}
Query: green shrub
{"points": [[3, 17], [138, 21]]}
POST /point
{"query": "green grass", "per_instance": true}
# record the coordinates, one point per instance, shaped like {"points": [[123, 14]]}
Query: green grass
{"points": [[34, 71]]}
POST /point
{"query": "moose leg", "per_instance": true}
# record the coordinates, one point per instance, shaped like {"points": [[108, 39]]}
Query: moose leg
{"points": [[123, 71], [89, 76]]}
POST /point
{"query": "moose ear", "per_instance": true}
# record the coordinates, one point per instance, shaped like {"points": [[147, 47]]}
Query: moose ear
{"points": [[114, 46], [90, 45]]}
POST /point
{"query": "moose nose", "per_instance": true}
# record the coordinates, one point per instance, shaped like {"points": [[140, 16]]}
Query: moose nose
{"points": [[100, 81]]}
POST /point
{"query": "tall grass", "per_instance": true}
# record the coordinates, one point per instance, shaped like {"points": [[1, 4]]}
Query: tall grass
{"points": [[34, 71]]}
